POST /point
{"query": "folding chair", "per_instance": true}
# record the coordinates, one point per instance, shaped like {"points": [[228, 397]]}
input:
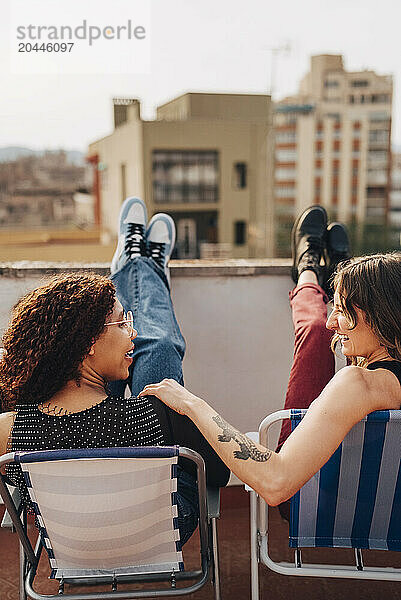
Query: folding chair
{"points": [[109, 516], [354, 501]]}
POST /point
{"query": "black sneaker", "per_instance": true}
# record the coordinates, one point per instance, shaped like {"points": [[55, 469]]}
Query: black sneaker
{"points": [[308, 239], [338, 250]]}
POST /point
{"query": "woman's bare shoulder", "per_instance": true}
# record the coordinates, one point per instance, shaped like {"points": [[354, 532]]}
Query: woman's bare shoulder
{"points": [[6, 423], [385, 387], [378, 388]]}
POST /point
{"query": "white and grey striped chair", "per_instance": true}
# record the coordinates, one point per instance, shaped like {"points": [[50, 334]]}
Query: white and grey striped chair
{"points": [[110, 516], [354, 501]]}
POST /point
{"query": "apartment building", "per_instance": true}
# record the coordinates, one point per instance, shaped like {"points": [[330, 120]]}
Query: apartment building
{"points": [[332, 144], [206, 160], [395, 193]]}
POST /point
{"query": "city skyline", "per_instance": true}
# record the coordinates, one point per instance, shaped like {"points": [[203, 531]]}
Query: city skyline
{"points": [[204, 47]]}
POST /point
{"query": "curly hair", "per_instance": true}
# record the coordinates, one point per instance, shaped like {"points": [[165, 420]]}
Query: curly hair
{"points": [[51, 331], [373, 284]]}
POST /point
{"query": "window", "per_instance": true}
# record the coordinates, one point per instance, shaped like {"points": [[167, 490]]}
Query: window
{"points": [[284, 192], [184, 176], [379, 116], [359, 83], [331, 83], [239, 233], [378, 136], [377, 176], [378, 155], [240, 176], [286, 137], [286, 155], [283, 174], [377, 98]]}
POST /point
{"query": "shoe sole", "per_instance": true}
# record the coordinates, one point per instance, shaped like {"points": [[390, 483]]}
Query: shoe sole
{"points": [[294, 268], [124, 210]]}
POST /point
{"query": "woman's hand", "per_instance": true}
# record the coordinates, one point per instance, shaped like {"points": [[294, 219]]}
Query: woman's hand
{"points": [[171, 393]]}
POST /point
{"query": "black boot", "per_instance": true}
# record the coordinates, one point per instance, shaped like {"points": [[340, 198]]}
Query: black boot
{"points": [[338, 249], [308, 238]]}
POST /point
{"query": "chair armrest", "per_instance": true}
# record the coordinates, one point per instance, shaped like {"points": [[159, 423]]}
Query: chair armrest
{"points": [[213, 502], [6, 522]]}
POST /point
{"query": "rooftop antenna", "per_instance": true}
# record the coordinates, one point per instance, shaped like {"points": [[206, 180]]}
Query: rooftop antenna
{"points": [[275, 52]]}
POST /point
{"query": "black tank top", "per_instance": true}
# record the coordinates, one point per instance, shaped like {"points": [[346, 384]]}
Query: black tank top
{"points": [[391, 365]]}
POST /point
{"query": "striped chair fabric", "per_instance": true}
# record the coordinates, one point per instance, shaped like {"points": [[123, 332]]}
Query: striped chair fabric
{"points": [[354, 501], [106, 517]]}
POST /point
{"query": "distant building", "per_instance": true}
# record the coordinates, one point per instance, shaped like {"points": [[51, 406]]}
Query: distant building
{"points": [[332, 144], [206, 160], [395, 193], [38, 191], [84, 212]]}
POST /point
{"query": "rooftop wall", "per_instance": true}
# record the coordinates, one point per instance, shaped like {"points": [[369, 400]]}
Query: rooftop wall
{"points": [[235, 318]]}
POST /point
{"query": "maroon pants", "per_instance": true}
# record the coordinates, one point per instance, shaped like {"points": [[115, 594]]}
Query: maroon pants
{"points": [[313, 363]]}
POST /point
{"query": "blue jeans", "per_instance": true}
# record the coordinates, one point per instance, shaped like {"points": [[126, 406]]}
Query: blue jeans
{"points": [[159, 350]]}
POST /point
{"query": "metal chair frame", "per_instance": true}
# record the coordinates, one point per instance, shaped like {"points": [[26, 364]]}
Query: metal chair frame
{"points": [[260, 539], [209, 512]]}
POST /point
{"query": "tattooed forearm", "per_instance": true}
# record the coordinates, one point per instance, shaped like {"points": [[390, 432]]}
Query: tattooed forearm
{"points": [[247, 447]]}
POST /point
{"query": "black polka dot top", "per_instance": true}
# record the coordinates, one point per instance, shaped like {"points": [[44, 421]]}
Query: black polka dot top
{"points": [[114, 422]]}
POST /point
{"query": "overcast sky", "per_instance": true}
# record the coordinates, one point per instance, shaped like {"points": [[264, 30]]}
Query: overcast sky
{"points": [[197, 45]]}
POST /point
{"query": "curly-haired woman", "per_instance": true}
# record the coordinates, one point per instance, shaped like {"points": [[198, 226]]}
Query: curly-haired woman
{"points": [[366, 319], [69, 351]]}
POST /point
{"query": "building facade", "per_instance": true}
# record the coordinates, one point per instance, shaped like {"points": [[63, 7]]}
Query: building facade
{"points": [[37, 191], [395, 193], [333, 144], [206, 160]]}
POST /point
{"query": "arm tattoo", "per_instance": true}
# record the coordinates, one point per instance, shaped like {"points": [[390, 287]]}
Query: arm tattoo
{"points": [[247, 447]]}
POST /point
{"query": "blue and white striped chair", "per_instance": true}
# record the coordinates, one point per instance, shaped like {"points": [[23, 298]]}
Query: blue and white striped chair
{"points": [[354, 501], [110, 515]]}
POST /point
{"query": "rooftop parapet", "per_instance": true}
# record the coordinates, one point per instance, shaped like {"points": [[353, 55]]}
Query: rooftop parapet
{"points": [[235, 318]]}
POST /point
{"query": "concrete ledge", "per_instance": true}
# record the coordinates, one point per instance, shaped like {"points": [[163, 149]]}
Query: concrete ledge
{"points": [[178, 268]]}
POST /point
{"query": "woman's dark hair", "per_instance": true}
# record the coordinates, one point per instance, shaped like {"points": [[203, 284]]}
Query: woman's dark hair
{"points": [[51, 331], [373, 284]]}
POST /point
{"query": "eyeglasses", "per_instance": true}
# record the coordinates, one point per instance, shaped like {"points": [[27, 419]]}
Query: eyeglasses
{"points": [[128, 322]]}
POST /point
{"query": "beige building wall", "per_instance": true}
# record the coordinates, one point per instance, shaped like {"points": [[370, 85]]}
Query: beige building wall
{"points": [[235, 141], [120, 157], [237, 126]]}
